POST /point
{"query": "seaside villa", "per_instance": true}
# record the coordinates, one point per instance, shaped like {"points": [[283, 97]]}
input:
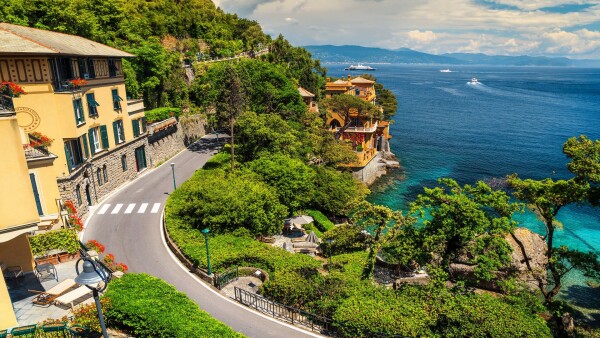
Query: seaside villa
{"points": [[67, 133], [368, 136]]}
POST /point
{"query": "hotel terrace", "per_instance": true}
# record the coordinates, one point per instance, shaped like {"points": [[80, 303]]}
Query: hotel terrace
{"points": [[71, 136]]}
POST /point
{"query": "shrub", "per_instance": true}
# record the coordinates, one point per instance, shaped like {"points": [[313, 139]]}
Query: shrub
{"points": [[93, 244], [224, 202], [63, 239], [321, 221], [160, 114], [149, 307]]}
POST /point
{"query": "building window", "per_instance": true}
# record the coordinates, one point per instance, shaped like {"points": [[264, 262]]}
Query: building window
{"points": [[136, 127], [86, 68], [124, 162], [78, 194], [116, 99], [119, 132], [143, 124], [99, 176], [98, 139], [73, 153], [105, 173], [78, 108], [92, 104], [112, 67]]}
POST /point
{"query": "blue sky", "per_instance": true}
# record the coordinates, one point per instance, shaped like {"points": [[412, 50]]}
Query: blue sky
{"points": [[501, 27]]}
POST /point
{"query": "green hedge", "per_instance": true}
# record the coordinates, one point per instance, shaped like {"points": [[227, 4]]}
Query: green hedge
{"points": [[63, 239], [147, 306], [321, 221], [160, 114]]}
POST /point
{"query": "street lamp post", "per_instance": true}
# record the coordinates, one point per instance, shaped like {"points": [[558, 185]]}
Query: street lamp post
{"points": [[173, 171], [330, 241], [205, 233], [91, 276]]}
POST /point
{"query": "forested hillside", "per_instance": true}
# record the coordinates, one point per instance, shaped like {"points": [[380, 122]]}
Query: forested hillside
{"points": [[161, 33]]}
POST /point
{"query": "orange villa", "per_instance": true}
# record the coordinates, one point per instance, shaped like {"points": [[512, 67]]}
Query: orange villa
{"points": [[369, 136]]}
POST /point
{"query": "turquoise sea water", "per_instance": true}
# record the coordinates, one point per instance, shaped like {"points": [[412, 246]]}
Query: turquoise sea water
{"points": [[514, 121]]}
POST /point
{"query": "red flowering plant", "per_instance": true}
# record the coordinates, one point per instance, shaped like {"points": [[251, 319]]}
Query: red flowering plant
{"points": [[11, 89], [109, 260], [37, 139], [78, 82], [95, 245], [74, 220]]}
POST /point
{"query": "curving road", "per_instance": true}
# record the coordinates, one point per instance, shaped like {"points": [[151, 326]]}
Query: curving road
{"points": [[128, 224]]}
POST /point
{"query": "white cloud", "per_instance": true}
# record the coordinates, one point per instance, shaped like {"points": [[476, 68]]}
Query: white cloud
{"points": [[422, 37], [435, 26], [578, 42]]}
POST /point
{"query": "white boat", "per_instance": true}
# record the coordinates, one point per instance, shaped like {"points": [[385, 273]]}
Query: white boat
{"points": [[360, 67], [445, 71], [474, 81]]}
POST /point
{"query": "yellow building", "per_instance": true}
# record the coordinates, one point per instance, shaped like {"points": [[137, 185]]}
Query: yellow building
{"points": [[72, 136], [367, 136]]}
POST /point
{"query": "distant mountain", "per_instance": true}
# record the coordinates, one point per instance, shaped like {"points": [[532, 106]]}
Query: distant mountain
{"points": [[354, 54]]}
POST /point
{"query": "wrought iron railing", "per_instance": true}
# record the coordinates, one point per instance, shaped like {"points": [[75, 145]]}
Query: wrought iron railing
{"points": [[6, 102], [221, 280], [35, 152], [283, 312]]}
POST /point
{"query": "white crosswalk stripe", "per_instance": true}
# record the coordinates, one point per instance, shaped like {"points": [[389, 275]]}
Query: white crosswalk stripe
{"points": [[155, 208], [117, 208], [130, 208], [103, 209], [142, 208]]}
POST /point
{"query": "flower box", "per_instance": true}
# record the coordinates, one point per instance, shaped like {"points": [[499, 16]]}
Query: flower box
{"points": [[66, 257], [48, 259]]}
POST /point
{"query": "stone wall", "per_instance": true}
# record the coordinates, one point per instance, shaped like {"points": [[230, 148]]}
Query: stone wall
{"points": [[373, 170], [86, 177], [166, 143]]}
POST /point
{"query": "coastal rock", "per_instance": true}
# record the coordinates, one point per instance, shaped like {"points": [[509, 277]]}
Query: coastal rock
{"points": [[534, 245], [523, 240]]}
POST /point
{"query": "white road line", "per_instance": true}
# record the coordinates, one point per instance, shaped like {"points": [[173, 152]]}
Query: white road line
{"points": [[103, 209], [142, 208], [155, 208], [130, 208], [117, 208]]}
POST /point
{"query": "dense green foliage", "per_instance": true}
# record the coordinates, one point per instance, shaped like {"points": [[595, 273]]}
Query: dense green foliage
{"points": [[224, 202], [471, 219], [260, 135], [160, 33], [321, 221], [346, 106], [292, 179], [63, 239], [160, 114], [149, 307]]}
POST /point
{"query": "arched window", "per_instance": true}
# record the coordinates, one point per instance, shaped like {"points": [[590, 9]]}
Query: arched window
{"points": [[105, 173], [78, 194], [335, 124]]}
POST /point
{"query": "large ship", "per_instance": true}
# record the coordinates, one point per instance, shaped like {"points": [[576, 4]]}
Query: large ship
{"points": [[360, 67]]}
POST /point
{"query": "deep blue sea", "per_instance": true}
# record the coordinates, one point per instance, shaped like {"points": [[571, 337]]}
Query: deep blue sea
{"points": [[514, 121]]}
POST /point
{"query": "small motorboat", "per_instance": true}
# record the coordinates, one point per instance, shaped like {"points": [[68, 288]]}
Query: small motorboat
{"points": [[474, 81], [445, 71]]}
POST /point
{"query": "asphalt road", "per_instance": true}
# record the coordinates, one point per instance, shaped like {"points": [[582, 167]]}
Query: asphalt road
{"points": [[133, 234]]}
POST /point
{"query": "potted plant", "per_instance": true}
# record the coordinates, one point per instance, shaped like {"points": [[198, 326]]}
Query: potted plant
{"points": [[76, 83], [11, 89], [37, 140]]}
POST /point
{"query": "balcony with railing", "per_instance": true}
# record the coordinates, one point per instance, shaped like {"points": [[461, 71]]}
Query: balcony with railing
{"points": [[356, 129], [37, 153], [6, 103]]}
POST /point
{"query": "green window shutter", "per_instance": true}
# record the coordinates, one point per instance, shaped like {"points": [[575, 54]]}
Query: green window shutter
{"points": [[143, 121], [115, 132], [136, 128], [85, 146], [75, 111], [69, 157], [91, 137], [104, 137]]}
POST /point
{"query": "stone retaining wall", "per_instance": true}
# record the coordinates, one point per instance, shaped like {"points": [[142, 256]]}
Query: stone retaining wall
{"points": [[166, 143], [87, 175], [373, 170]]}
